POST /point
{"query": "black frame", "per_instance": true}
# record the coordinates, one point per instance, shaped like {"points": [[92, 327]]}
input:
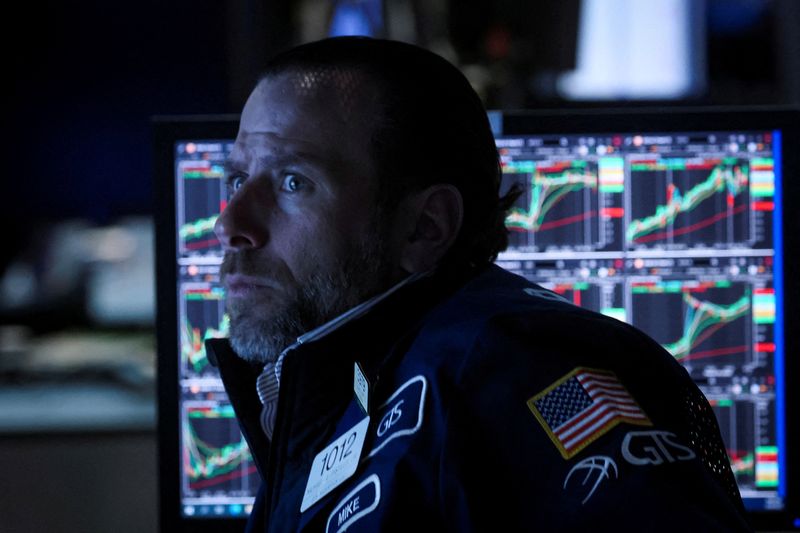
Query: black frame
{"points": [[587, 120]]}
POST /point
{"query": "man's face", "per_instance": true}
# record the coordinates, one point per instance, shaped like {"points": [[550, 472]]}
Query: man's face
{"points": [[301, 230]]}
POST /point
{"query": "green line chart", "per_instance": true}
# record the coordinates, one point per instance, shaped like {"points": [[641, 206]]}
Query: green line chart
{"points": [[744, 465], [193, 348], [700, 200], [198, 235], [710, 321], [700, 322], [216, 456], [198, 228], [203, 196], [564, 203], [547, 189], [203, 317]]}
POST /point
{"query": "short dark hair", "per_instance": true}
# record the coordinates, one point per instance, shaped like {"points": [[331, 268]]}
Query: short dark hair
{"points": [[433, 129]]}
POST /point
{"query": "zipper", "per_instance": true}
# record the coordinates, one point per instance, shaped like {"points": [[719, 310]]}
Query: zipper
{"points": [[278, 431]]}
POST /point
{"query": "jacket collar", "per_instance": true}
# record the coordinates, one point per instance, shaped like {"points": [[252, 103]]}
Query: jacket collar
{"points": [[345, 318]]}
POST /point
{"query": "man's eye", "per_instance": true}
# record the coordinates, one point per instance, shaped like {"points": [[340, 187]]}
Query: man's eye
{"points": [[293, 183], [235, 182]]}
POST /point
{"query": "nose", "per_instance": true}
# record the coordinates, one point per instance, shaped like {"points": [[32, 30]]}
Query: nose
{"points": [[243, 223]]}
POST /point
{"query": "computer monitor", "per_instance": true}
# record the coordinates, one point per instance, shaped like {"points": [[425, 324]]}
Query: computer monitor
{"points": [[675, 220]]}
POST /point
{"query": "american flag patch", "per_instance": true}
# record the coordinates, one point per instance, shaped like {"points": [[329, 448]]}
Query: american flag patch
{"points": [[582, 406]]}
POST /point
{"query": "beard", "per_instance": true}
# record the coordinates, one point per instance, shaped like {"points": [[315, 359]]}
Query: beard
{"points": [[260, 330]]}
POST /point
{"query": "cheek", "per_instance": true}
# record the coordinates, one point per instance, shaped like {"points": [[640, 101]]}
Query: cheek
{"points": [[317, 238], [310, 244]]}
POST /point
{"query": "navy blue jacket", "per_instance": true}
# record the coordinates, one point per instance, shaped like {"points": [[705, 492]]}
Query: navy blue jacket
{"points": [[495, 406]]}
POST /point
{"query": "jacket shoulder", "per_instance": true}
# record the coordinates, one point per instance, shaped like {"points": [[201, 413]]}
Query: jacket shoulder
{"points": [[526, 367], [502, 319]]}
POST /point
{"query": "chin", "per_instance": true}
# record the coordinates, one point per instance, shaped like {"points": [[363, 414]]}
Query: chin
{"points": [[259, 336], [254, 349]]}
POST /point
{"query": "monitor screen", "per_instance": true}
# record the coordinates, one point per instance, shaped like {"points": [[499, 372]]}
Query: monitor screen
{"points": [[671, 221]]}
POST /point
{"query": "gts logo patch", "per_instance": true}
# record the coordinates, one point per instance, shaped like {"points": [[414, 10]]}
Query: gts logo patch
{"points": [[402, 413]]}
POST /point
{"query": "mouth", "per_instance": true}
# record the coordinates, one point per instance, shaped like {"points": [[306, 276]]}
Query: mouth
{"points": [[241, 286]]}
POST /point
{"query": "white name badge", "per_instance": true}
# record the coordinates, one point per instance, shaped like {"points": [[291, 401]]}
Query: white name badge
{"points": [[335, 464]]}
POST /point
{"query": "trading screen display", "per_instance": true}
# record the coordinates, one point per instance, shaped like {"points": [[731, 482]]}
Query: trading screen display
{"points": [[637, 227]]}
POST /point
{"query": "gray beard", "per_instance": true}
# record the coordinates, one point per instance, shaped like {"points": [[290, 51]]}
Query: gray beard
{"points": [[321, 297]]}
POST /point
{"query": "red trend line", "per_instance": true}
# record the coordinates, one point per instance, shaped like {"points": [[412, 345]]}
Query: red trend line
{"points": [[214, 481], [687, 229], [707, 333], [700, 339], [567, 220], [202, 244], [716, 353]]}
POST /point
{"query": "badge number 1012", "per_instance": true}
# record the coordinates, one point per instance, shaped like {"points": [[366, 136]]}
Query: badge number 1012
{"points": [[335, 464]]}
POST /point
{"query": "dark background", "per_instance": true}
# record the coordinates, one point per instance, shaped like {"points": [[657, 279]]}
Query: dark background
{"points": [[86, 77]]}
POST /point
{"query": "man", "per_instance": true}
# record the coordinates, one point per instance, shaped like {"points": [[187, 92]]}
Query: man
{"points": [[385, 374]]}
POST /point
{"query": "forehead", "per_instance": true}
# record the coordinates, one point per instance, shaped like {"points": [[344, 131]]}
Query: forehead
{"points": [[328, 113], [343, 86]]}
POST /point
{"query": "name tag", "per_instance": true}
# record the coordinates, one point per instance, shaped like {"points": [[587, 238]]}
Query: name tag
{"points": [[361, 501], [335, 464]]}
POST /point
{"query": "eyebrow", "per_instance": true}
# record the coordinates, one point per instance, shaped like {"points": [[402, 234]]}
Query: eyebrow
{"points": [[230, 165], [281, 159]]}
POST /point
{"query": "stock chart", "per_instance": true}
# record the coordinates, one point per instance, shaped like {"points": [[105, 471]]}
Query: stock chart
{"points": [[564, 203], [695, 202], [715, 318], [203, 309], [200, 174], [216, 457]]}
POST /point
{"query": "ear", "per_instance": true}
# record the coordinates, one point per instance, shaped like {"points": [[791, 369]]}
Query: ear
{"points": [[431, 225]]}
